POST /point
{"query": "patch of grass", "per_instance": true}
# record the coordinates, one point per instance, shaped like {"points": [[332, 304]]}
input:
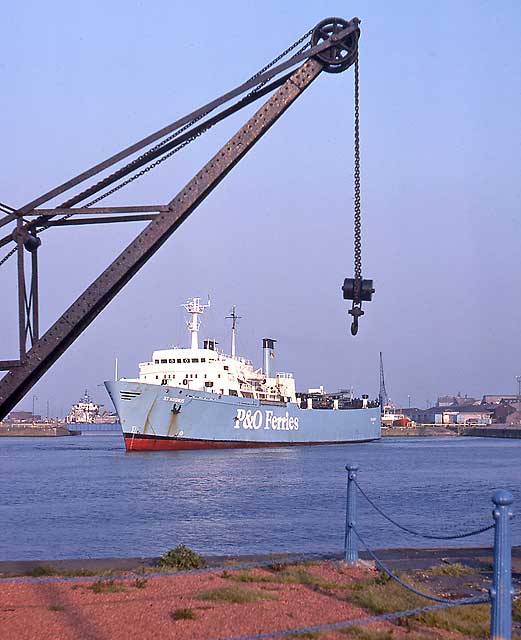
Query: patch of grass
{"points": [[41, 570], [56, 607], [360, 633], [247, 576], [456, 570], [183, 614], [299, 575], [140, 583], [516, 609], [290, 575], [79, 573], [235, 595], [305, 634], [379, 596], [181, 558], [107, 586]]}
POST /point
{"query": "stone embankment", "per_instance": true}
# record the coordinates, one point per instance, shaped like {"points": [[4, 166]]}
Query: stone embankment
{"points": [[492, 431], [30, 431], [418, 431]]}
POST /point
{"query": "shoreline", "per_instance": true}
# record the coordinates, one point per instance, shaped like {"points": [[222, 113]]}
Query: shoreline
{"points": [[399, 559]]}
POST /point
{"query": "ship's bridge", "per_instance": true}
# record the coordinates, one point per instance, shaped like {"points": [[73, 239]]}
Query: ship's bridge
{"points": [[211, 370], [215, 372]]}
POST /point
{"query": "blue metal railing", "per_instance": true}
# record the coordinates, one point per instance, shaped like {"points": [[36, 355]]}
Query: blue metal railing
{"points": [[501, 590]]}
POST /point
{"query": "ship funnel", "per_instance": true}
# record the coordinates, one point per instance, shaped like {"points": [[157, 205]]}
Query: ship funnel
{"points": [[268, 347], [210, 344]]}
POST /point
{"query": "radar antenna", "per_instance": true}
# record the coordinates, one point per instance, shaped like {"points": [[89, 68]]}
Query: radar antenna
{"points": [[194, 307]]}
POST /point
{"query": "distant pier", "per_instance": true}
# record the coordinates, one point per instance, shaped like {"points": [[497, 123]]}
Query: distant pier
{"points": [[35, 431]]}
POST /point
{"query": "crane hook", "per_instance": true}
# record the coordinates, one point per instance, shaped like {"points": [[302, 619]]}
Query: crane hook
{"points": [[356, 312]]}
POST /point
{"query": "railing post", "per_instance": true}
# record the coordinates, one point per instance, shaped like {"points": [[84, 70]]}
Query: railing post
{"points": [[350, 543], [501, 591]]}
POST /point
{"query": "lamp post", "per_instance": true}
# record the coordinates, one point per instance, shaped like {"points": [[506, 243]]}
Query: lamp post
{"points": [[518, 378], [34, 398]]}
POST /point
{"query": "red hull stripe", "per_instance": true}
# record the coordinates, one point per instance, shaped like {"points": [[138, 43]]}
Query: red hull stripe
{"points": [[153, 443]]}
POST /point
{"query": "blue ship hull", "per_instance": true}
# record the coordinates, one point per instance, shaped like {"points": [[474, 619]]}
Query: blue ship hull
{"points": [[155, 417]]}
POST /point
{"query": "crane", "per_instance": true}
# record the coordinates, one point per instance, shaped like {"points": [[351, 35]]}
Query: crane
{"points": [[332, 47], [384, 398]]}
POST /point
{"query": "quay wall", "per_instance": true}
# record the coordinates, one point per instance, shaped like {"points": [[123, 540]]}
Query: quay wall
{"points": [[493, 431], [417, 431], [34, 432]]}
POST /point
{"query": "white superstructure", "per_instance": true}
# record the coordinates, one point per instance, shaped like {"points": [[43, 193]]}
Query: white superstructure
{"points": [[211, 370]]}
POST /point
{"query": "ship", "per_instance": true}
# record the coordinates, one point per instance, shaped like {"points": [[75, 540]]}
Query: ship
{"points": [[86, 412], [203, 398]]}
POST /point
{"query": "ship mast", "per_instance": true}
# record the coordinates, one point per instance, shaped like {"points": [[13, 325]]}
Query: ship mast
{"points": [[194, 307], [233, 317]]}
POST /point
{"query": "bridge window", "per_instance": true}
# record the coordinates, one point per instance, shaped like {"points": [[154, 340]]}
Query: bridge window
{"points": [[226, 367], [178, 360], [171, 360], [195, 359], [186, 360], [156, 361], [203, 359], [164, 361]]}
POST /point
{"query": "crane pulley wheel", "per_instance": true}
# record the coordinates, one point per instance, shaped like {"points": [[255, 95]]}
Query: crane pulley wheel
{"points": [[337, 58]]}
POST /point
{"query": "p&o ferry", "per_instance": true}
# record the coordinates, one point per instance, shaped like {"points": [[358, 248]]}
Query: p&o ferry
{"points": [[202, 398]]}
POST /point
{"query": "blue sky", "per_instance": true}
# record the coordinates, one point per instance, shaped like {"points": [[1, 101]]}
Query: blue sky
{"points": [[441, 138]]}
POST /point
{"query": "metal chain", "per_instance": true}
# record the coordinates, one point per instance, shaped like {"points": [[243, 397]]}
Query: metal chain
{"points": [[192, 122], [356, 308], [427, 536], [8, 255], [186, 127], [352, 622], [357, 217], [391, 574], [171, 137]]}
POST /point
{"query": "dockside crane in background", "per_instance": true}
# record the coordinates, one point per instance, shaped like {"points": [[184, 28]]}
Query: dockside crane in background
{"points": [[384, 398], [331, 46]]}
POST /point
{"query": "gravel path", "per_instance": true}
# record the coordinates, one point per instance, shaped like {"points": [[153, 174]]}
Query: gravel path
{"points": [[132, 608]]}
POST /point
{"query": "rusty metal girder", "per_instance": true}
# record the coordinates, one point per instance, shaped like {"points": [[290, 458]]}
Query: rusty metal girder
{"points": [[95, 298]]}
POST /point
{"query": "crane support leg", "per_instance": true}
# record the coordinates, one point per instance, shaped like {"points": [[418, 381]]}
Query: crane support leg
{"points": [[47, 349]]}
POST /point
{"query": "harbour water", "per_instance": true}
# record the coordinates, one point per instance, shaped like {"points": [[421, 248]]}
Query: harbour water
{"points": [[86, 497]]}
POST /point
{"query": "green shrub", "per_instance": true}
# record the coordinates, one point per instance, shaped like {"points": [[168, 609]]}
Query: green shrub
{"points": [[41, 570], [183, 614], [140, 583], [181, 558], [455, 569], [107, 586]]}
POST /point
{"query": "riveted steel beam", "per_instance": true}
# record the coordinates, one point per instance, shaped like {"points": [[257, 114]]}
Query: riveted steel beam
{"points": [[78, 221]]}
